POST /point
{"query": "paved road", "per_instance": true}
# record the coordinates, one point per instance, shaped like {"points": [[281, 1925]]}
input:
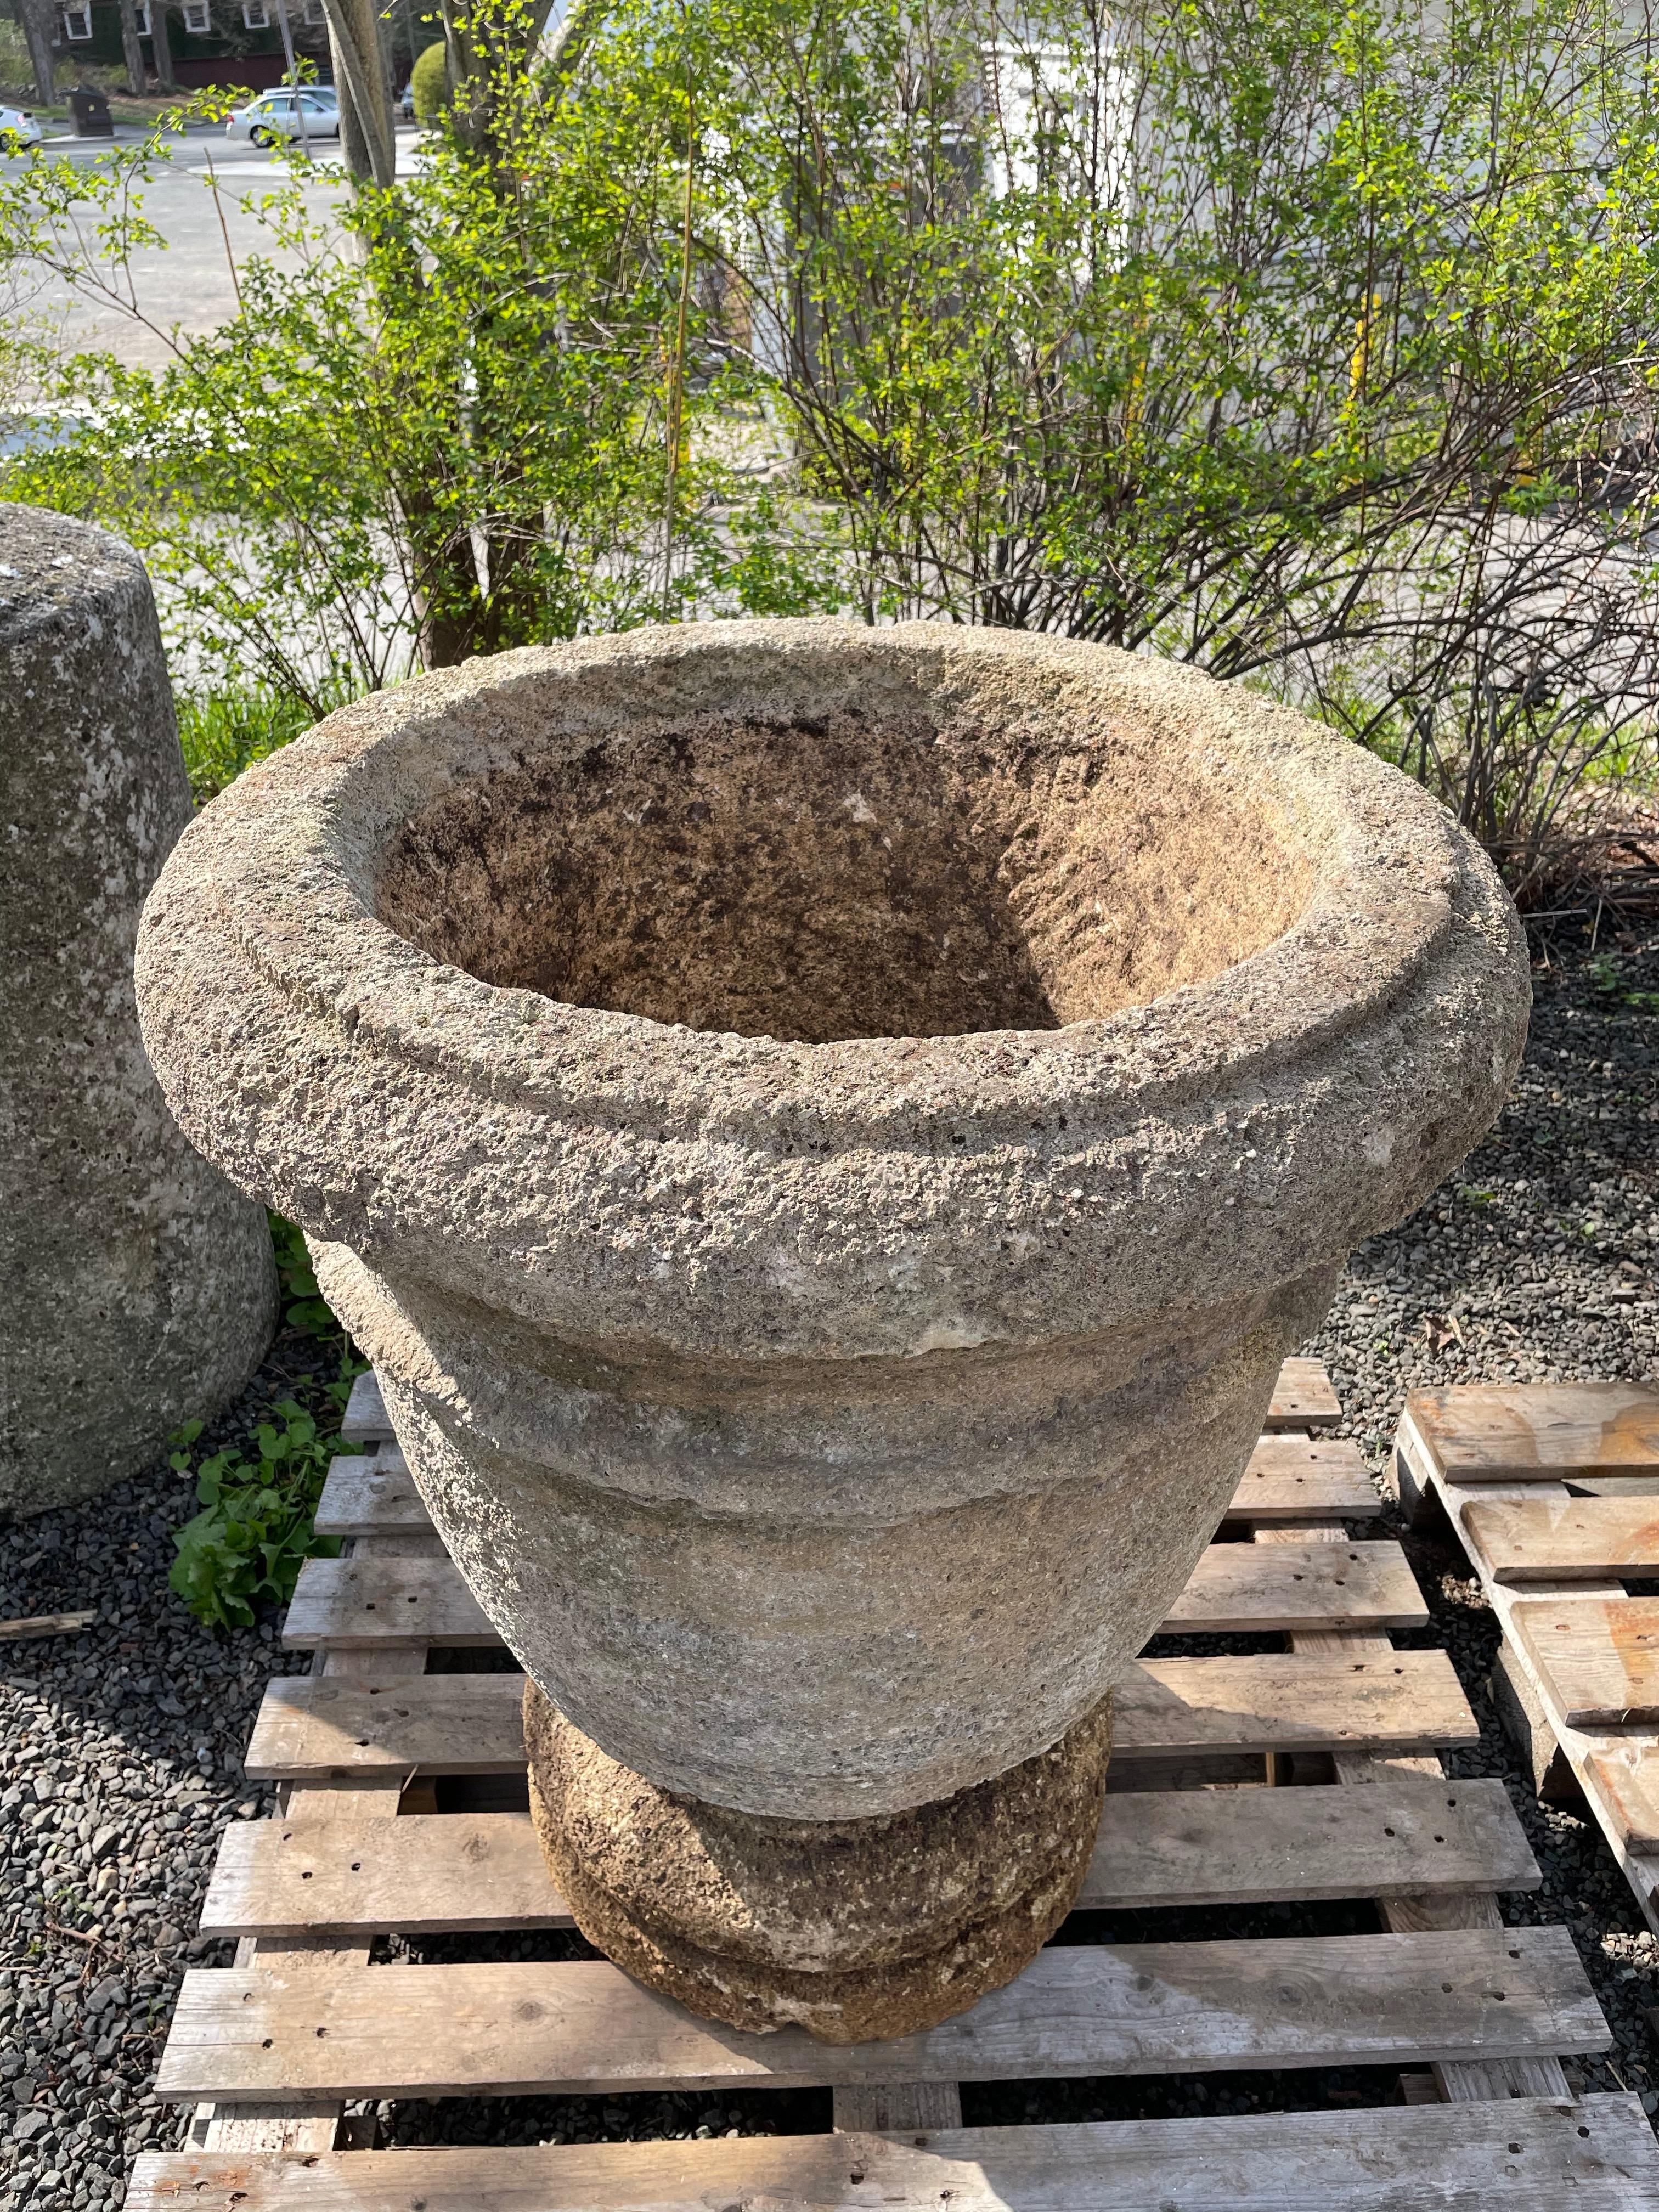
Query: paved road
{"points": [[186, 286]]}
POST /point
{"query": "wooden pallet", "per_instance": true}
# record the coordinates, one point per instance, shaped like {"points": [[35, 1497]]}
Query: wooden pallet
{"points": [[275, 2045], [1553, 1491]]}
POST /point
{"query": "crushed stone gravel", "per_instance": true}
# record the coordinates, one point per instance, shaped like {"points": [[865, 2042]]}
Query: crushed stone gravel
{"points": [[120, 1749], [120, 1765]]}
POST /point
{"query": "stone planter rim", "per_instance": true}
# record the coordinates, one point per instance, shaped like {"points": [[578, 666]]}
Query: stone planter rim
{"points": [[304, 910], [279, 873]]}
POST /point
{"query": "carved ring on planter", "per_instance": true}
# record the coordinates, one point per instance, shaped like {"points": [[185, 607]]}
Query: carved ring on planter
{"points": [[826, 1134]]}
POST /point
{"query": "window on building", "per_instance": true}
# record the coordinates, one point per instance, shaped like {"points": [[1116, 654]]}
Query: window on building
{"points": [[140, 16], [197, 21], [312, 13], [254, 15], [78, 23]]}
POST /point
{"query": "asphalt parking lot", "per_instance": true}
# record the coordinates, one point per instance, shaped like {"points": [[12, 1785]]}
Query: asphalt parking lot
{"points": [[187, 286]]}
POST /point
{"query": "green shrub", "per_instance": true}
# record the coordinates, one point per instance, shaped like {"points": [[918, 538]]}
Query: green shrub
{"points": [[430, 83], [1611, 981], [1311, 343]]}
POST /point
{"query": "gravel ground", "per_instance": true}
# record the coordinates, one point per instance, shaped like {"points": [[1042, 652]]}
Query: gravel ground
{"points": [[119, 1750], [120, 1763]]}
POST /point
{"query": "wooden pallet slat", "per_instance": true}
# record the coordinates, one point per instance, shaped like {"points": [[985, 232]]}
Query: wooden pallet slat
{"points": [[1626, 1780], [365, 1420], [1550, 1539], [1277, 1701], [353, 1604], [1298, 1585], [314, 1729], [1133, 2009], [371, 1496], [423, 1875], [1534, 2155], [1302, 1398], [1599, 1657], [1302, 1478], [1479, 1432]]}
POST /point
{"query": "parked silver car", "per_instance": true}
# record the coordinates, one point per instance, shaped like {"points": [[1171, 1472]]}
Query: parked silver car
{"points": [[272, 119], [19, 129]]}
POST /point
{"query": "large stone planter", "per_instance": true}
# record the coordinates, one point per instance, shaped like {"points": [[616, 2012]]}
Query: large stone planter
{"points": [[827, 1135], [136, 1288]]}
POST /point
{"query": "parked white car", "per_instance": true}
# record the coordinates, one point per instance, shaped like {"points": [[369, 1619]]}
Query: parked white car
{"points": [[19, 128], [274, 120]]}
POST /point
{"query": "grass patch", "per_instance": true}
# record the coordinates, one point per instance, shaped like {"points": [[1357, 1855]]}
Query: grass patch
{"points": [[223, 732]]}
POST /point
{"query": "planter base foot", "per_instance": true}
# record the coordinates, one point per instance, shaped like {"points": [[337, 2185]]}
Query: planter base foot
{"points": [[856, 1929]]}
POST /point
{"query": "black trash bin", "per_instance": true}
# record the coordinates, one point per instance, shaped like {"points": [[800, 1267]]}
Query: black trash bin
{"points": [[91, 116]]}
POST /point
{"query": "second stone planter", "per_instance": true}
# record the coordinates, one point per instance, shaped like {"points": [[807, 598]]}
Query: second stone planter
{"points": [[827, 1135]]}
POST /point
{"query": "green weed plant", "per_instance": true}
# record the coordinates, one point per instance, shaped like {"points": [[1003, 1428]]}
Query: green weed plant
{"points": [[246, 1546], [1611, 981], [259, 1497]]}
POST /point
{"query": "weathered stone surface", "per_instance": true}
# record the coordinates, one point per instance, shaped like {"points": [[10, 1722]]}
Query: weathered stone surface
{"points": [[826, 1134], [856, 1929], [138, 1285]]}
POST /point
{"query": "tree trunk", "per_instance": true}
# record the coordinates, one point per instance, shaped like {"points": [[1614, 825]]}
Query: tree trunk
{"points": [[366, 139], [131, 52], [161, 43], [452, 607], [37, 30]]}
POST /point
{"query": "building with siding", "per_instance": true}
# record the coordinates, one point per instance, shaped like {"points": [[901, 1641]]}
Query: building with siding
{"points": [[212, 42]]}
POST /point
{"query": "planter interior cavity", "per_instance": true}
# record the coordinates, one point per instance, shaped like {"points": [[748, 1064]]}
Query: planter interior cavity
{"points": [[842, 878]]}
